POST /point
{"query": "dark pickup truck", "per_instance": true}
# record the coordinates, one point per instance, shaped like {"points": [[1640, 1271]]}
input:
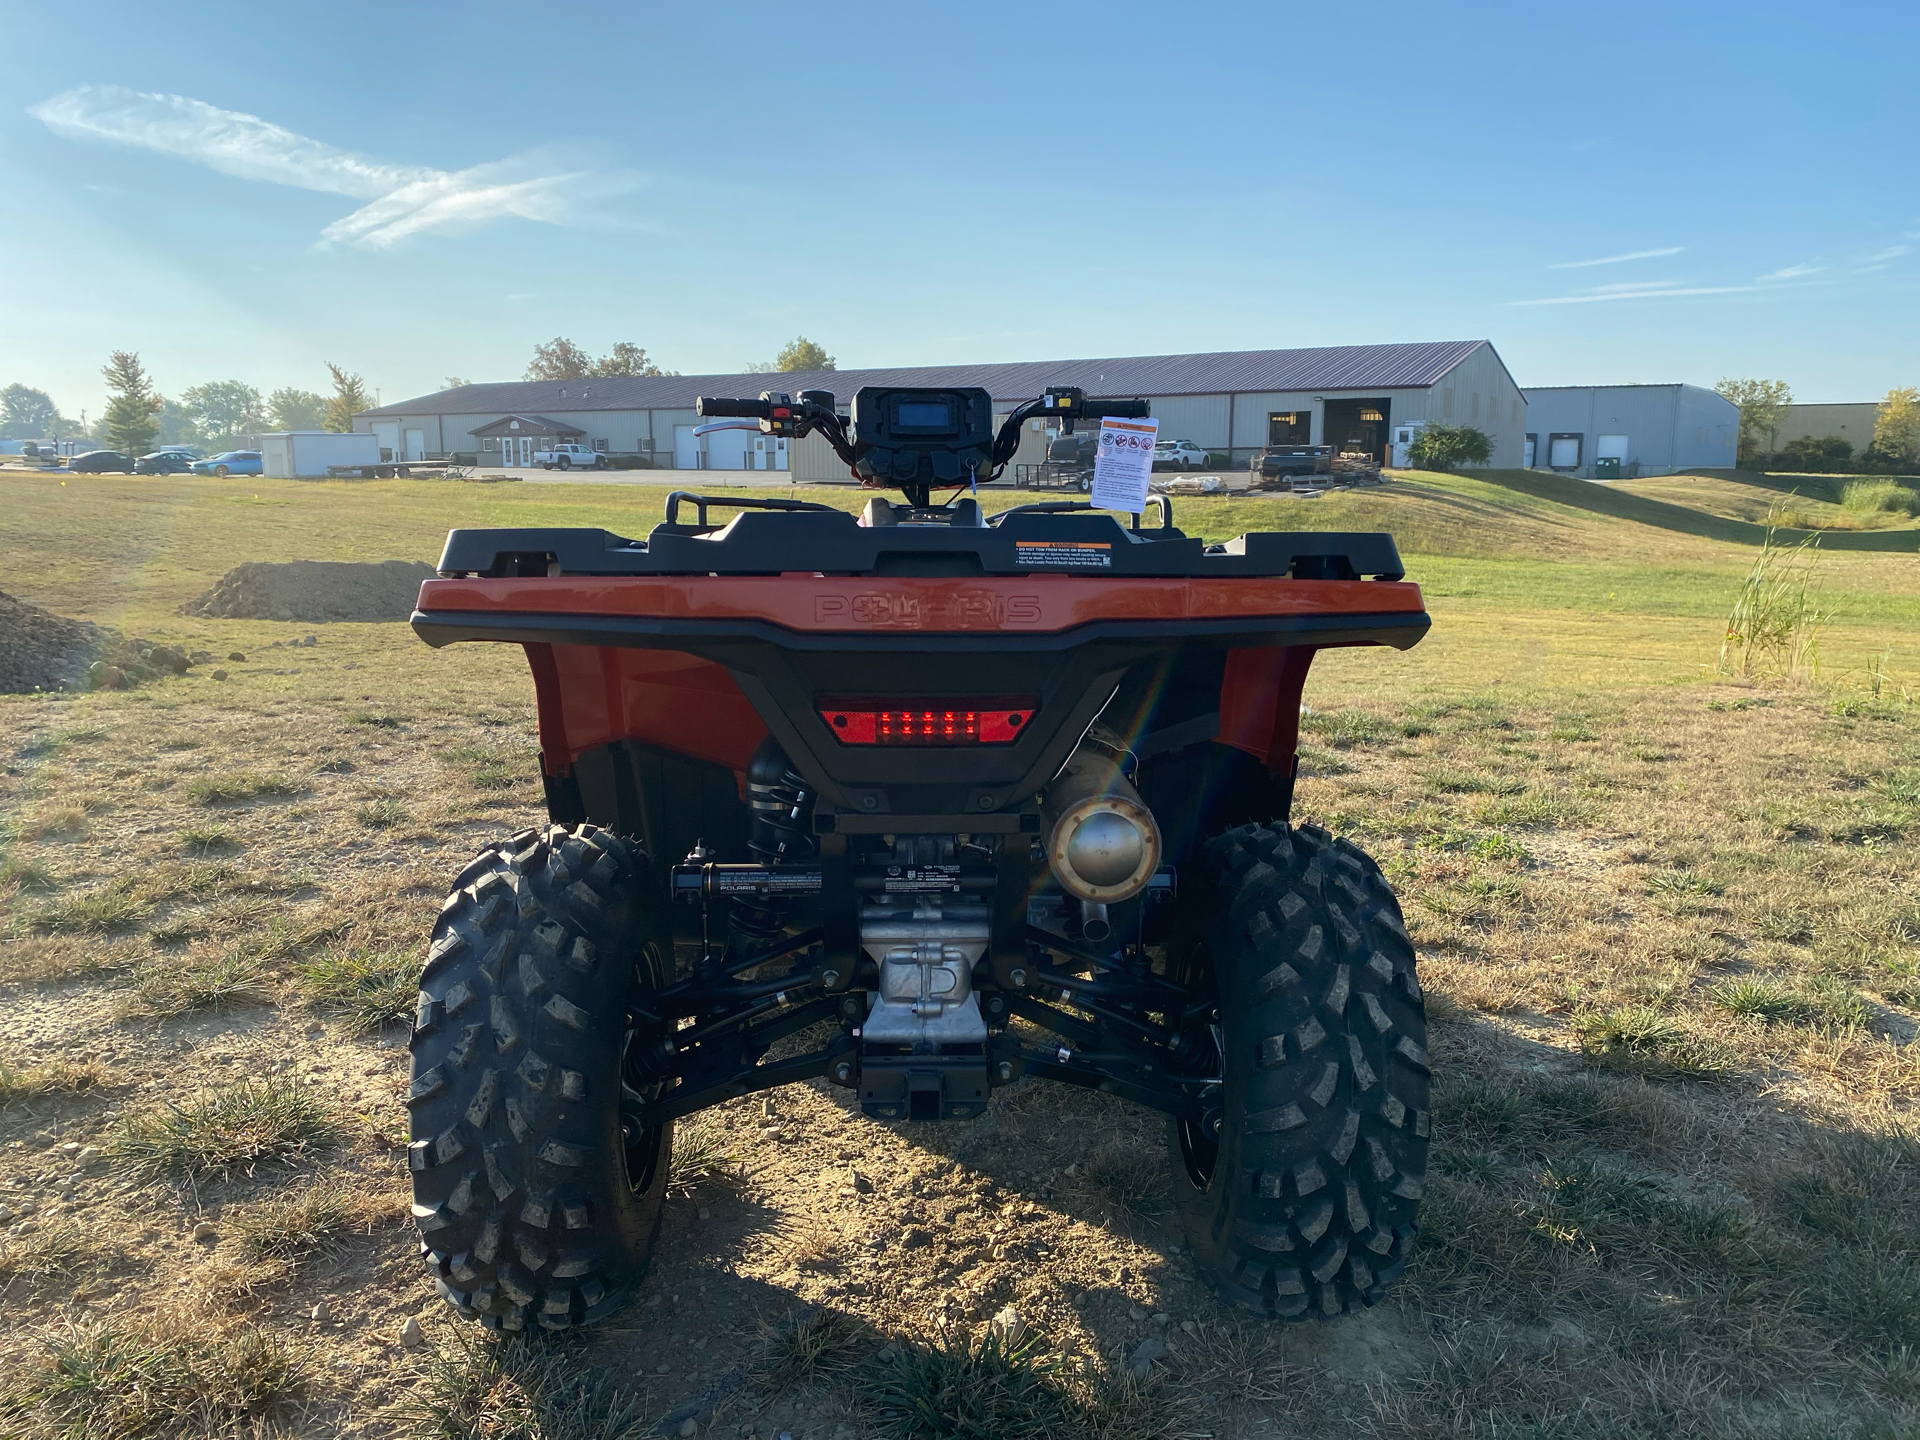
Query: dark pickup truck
{"points": [[1276, 461], [1069, 462]]}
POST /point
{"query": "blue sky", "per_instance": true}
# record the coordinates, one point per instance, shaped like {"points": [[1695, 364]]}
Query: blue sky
{"points": [[1613, 193]]}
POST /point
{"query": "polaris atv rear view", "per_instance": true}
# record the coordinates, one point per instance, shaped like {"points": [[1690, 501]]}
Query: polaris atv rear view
{"points": [[924, 804]]}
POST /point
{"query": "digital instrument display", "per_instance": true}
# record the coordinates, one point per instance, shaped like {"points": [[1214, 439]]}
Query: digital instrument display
{"points": [[924, 415]]}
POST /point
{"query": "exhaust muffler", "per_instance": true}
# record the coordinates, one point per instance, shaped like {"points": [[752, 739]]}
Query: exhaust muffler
{"points": [[1102, 843]]}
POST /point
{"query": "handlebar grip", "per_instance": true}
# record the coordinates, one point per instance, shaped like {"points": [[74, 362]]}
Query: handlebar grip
{"points": [[1116, 410], [714, 405]]}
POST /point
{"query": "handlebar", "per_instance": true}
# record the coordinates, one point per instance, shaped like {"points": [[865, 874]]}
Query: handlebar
{"points": [[720, 408], [1114, 409]]}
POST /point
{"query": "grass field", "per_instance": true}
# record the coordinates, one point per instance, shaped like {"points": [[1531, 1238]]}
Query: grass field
{"points": [[1668, 920]]}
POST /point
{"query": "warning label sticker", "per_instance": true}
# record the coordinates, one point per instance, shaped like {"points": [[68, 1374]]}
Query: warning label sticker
{"points": [[1064, 554]]}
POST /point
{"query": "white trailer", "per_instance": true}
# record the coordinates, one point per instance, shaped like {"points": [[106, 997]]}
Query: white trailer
{"points": [[313, 454]]}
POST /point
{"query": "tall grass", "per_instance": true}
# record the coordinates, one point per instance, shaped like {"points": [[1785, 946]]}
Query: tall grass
{"points": [[1880, 497], [1776, 620]]}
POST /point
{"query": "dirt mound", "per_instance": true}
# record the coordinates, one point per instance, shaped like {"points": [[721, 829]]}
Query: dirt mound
{"points": [[40, 650], [315, 590]]}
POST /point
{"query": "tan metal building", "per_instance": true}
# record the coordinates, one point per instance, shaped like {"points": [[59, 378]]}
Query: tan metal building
{"points": [[1851, 422], [1228, 402]]}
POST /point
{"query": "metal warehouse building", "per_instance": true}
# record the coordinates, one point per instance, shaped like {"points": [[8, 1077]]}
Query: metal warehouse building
{"points": [[1232, 402], [1648, 429]]}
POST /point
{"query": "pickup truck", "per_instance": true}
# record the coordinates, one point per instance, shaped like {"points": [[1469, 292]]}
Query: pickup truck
{"points": [[1278, 461], [569, 457]]}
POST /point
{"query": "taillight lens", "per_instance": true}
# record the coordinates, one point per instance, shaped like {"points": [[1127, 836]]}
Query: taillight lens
{"points": [[998, 721]]}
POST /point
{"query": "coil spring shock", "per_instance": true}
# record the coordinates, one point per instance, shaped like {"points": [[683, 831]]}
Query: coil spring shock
{"points": [[781, 807]]}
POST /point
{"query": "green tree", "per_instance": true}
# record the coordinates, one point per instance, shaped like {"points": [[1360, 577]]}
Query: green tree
{"points": [[454, 382], [27, 414], [131, 404], [289, 408], [1441, 447], [349, 398], [1763, 404], [177, 426], [559, 359], [801, 353], [627, 358], [224, 410], [1896, 424]]}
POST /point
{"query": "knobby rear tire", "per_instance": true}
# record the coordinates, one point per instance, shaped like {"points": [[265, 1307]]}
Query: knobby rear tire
{"points": [[532, 1206], [1304, 1205]]}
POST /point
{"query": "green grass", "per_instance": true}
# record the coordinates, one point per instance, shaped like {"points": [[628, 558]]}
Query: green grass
{"points": [[124, 1380], [239, 788], [475, 1386], [233, 1127], [167, 986], [369, 985], [1877, 497]]}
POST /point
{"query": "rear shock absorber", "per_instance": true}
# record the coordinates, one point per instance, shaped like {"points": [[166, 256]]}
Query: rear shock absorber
{"points": [[781, 808]]}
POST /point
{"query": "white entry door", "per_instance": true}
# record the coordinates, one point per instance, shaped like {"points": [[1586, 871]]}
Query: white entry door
{"points": [[686, 448], [416, 445]]}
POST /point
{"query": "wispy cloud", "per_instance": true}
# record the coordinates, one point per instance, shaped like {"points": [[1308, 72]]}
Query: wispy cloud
{"points": [[1790, 272], [1657, 290], [1892, 252], [1618, 259], [403, 200]]}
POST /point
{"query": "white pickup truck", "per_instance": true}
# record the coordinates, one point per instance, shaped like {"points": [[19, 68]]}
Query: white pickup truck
{"points": [[569, 457]]}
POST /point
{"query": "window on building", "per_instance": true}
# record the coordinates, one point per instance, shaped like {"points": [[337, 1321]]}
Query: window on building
{"points": [[1446, 402], [486, 442], [1289, 427], [601, 446]]}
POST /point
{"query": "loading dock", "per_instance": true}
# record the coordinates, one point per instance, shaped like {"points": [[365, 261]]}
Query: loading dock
{"points": [[1362, 425]]}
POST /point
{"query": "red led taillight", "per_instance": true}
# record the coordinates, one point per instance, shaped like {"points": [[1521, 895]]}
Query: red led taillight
{"points": [[995, 721]]}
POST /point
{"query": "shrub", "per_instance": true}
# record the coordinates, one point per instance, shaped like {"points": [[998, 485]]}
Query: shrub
{"points": [[1441, 447], [1877, 497], [1807, 455]]}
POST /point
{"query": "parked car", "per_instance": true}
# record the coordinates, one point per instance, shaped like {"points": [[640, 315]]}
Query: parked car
{"points": [[99, 462], [233, 462], [165, 462], [1179, 455], [570, 457]]}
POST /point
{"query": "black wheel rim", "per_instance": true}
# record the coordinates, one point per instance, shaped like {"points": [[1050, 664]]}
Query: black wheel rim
{"points": [[1200, 1138], [641, 1152]]}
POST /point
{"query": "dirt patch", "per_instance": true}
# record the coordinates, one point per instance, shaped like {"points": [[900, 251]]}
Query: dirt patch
{"points": [[40, 650], [315, 590]]}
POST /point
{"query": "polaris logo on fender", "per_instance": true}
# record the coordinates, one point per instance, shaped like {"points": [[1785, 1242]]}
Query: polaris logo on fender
{"points": [[955, 610]]}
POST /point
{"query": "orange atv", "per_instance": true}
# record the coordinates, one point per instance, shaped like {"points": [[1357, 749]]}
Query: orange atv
{"points": [[924, 804]]}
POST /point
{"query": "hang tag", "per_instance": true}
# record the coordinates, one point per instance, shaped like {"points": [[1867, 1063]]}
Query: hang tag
{"points": [[1123, 464]]}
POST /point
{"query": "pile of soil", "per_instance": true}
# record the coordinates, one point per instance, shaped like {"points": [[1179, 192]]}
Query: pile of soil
{"points": [[40, 650], [313, 590]]}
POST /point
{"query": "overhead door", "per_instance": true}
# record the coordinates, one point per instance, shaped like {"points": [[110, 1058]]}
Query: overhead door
{"points": [[686, 448], [1563, 452], [729, 449]]}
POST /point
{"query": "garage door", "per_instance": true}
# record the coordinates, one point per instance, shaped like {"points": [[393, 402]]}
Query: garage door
{"points": [[1565, 452], [729, 449]]}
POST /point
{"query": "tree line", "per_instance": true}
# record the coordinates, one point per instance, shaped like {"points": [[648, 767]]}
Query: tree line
{"points": [[561, 359], [1894, 449], [218, 414], [221, 413]]}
